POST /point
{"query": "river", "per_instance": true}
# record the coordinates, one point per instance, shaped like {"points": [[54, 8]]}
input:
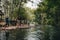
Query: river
{"points": [[33, 33]]}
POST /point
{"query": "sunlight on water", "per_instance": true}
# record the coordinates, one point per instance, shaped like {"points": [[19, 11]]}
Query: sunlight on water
{"points": [[33, 34]]}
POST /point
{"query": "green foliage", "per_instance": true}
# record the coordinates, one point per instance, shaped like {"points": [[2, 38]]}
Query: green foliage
{"points": [[30, 14], [17, 9], [52, 11], [22, 13]]}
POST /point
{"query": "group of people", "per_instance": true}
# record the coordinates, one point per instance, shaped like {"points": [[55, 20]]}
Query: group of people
{"points": [[15, 22]]}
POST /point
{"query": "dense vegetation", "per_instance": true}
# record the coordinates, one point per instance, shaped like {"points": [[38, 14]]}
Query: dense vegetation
{"points": [[48, 14]]}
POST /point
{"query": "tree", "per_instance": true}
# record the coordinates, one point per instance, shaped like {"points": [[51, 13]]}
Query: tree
{"points": [[51, 10]]}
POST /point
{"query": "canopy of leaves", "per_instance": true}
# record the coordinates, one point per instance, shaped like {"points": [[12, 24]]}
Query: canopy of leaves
{"points": [[52, 11]]}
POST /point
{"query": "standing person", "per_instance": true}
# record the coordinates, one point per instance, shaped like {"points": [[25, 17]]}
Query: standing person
{"points": [[7, 21], [18, 21]]}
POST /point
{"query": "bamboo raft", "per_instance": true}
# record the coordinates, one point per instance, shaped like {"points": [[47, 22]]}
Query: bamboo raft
{"points": [[13, 27]]}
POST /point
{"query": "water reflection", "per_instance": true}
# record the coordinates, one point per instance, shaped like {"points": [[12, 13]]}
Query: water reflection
{"points": [[34, 33]]}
